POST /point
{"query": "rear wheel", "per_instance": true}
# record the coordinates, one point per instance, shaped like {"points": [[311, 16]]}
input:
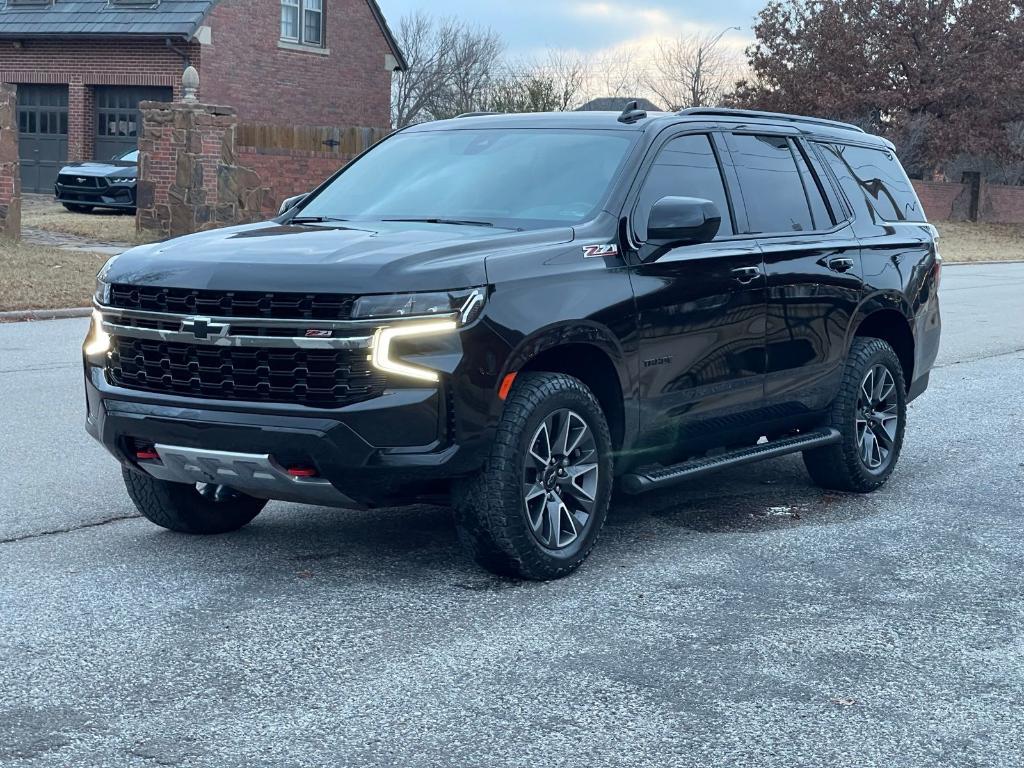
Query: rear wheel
{"points": [[196, 509], [871, 414], [537, 507], [78, 208]]}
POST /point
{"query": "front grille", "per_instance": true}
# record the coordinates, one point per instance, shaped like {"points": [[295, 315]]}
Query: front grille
{"points": [[248, 304], [82, 182], [321, 378]]}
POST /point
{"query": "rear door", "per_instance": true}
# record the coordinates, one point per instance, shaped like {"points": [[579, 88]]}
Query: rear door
{"points": [[812, 263], [42, 135], [701, 307]]}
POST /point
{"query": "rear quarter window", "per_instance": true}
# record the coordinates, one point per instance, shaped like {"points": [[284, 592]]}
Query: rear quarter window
{"points": [[874, 181]]}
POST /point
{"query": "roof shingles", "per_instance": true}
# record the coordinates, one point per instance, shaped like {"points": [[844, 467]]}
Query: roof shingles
{"points": [[100, 18]]}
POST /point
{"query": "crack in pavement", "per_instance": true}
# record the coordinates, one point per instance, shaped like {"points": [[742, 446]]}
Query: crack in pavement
{"points": [[71, 529], [979, 359]]}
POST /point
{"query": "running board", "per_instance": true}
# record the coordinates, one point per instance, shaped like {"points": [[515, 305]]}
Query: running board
{"points": [[640, 482]]}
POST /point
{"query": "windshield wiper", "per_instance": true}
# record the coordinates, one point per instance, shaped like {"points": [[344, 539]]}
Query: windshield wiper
{"points": [[313, 219], [456, 222]]}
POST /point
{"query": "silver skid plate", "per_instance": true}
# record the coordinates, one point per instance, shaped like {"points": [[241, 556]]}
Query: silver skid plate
{"points": [[250, 473]]}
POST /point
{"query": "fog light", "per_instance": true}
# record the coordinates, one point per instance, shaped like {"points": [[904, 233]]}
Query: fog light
{"points": [[98, 340]]}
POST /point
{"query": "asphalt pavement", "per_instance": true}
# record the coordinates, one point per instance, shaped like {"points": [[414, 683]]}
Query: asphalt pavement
{"points": [[747, 619]]}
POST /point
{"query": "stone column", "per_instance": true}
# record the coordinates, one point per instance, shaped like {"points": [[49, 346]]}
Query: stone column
{"points": [[10, 166], [188, 177]]}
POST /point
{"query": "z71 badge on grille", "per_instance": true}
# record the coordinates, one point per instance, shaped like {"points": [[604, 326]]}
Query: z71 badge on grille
{"points": [[318, 334], [600, 251]]}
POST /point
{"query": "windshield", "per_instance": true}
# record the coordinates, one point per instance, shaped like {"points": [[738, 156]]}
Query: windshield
{"points": [[517, 178], [128, 157]]}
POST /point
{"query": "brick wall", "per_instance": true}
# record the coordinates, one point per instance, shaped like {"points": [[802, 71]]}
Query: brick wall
{"points": [[942, 201], [287, 173], [291, 160], [1002, 205], [87, 63], [950, 201], [245, 66]]}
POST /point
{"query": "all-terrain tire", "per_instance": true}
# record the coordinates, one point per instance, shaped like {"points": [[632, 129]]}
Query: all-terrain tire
{"points": [[491, 511], [841, 466], [182, 508]]}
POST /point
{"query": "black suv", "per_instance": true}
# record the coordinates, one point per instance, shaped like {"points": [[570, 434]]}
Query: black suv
{"points": [[514, 313]]}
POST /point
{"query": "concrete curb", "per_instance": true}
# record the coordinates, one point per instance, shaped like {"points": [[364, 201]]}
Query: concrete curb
{"points": [[980, 263], [24, 315]]}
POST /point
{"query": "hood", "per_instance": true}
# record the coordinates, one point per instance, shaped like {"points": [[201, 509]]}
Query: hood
{"points": [[100, 169], [374, 258]]}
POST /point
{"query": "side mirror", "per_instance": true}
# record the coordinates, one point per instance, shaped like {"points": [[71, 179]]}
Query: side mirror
{"points": [[291, 202], [683, 221]]}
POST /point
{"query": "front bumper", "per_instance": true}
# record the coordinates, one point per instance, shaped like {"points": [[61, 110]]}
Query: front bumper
{"points": [[393, 449], [121, 196]]}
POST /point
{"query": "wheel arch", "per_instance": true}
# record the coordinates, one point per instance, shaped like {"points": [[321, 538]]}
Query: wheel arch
{"points": [[591, 354], [887, 318]]}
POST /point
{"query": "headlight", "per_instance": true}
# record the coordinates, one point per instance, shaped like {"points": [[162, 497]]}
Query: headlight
{"points": [[123, 180], [460, 308], [422, 304], [383, 359], [102, 293], [98, 340]]}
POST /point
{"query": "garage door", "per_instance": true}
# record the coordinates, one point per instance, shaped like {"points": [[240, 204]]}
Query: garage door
{"points": [[117, 117], [42, 134]]}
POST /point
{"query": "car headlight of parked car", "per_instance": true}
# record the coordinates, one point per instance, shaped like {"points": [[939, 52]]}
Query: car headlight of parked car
{"points": [[454, 310], [123, 180]]}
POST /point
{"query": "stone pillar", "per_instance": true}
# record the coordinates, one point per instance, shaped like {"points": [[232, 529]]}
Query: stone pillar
{"points": [[10, 166], [188, 177]]}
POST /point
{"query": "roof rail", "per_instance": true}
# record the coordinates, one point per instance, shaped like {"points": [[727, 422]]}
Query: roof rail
{"points": [[475, 114], [723, 112]]}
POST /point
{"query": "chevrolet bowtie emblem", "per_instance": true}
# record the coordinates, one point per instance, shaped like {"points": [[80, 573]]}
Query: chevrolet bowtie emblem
{"points": [[204, 328]]}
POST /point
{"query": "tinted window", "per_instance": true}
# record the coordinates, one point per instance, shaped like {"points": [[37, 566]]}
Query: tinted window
{"points": [[686, 167], [820, 207], [874, 181], [770, 182], [508, 177]]}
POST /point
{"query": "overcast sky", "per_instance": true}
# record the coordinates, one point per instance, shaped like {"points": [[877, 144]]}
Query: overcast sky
{"points": [[530, 26]]}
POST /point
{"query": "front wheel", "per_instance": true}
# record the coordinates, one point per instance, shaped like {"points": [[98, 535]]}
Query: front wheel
{"points": [[538, 505], [871, 415], [197, 509]]}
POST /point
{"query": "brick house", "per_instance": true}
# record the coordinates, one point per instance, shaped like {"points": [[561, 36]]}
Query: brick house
{"points": [[83, 66]]}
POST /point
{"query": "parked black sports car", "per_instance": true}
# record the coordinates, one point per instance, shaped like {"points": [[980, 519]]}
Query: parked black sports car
{"points": [[84, 186]]}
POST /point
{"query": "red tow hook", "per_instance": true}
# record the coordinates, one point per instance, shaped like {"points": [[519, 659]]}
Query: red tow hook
{"points": [[303, 472], [147, 454]]}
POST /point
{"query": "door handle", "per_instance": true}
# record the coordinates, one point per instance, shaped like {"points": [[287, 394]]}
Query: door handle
{"points": [[840, 264], [746, 275]]}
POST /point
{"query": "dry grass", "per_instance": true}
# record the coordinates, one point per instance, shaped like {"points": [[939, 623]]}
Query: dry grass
{"points": [[101, 226], [38, 277], [966, 242]]}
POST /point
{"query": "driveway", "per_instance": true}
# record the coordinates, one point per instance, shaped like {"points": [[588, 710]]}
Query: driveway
{"points": [[747, 619]]}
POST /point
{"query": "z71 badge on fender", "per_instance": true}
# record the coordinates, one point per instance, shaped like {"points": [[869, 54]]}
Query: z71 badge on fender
{"points": [[599, 251]]}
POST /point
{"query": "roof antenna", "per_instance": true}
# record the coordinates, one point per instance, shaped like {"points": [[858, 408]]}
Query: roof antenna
{"points": [[632, 113]]}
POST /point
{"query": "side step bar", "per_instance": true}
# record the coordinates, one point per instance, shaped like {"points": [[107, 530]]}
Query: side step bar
{"points": [[640, 482]]}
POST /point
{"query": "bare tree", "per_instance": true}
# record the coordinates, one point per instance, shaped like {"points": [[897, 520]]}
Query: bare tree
{"points": [[426, 44], [474, 59], [451, 68], [690, 71], [556, 84], [616, 73]]}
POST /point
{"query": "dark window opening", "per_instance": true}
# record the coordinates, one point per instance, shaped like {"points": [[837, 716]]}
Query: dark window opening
{"points": [[773, 192]]}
